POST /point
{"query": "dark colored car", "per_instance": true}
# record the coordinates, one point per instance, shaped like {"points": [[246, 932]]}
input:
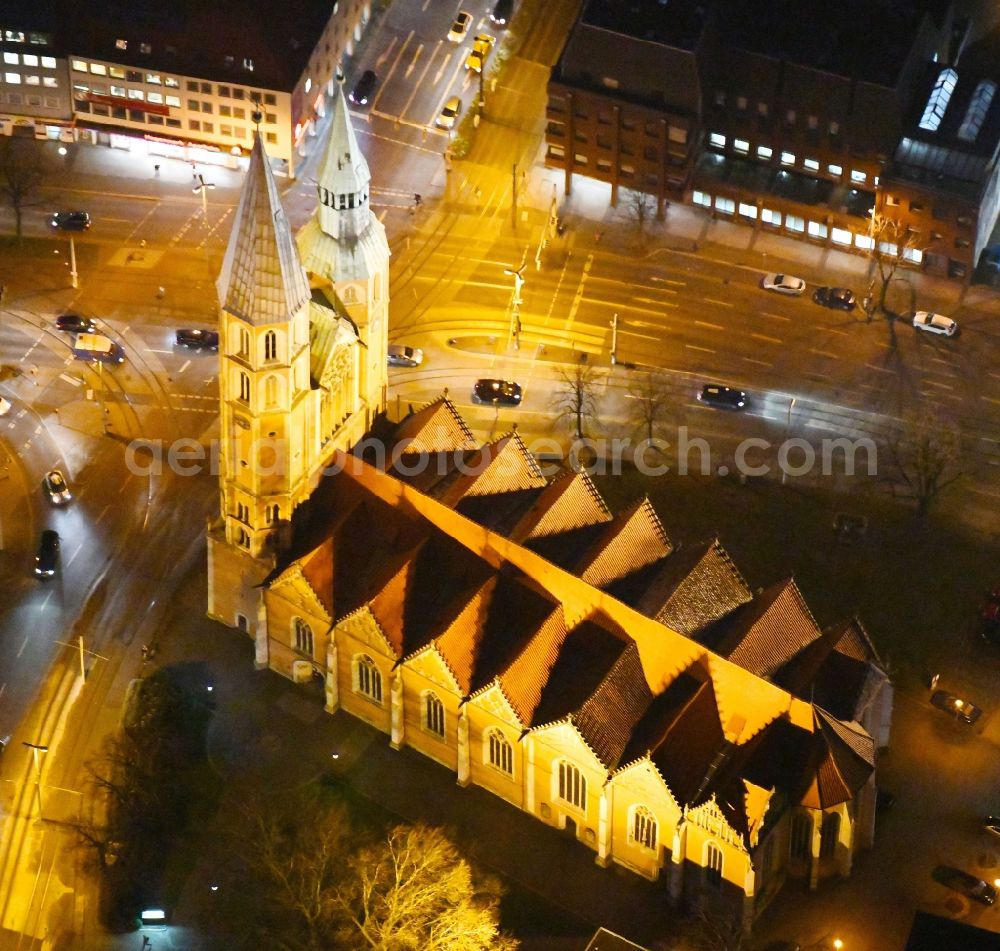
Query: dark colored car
{"points": [[501, 392], [965, 884], [837, 298], [723, 397], [364, 88], [75, 324], [958, 708], [70, 220], [48, 554], [198, 339], [502, 12]]}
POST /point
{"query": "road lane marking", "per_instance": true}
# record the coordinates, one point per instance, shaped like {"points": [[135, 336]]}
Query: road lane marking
{"points": [[104, 511], [943, 386], [150, 350], [824, 353], [70, 379], [390, 48], [761, 363], [989, 399], [833, 330], [75, 553], [691, 346], [708, 326], [667, 280], [766, 338], [632, 333], [871, 366], [24, 644], [718, 303], [765, 313], [184, 366]]}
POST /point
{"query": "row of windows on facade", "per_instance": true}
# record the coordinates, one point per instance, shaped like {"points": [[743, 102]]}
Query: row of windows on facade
{"points": [[653, 129], [30, 79], [798, 225], [35, 39], [272, 390], [130, 93], [151, 118], [29, 59], [788, 159], [173, 82], [764, 110], [50, 102]]}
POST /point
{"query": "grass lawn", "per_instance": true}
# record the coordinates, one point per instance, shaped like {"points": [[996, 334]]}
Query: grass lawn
{"points": [[916, 586]]}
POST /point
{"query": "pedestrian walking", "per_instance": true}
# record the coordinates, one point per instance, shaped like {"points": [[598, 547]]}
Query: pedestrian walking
{"points": [[597, 236], [160, 292], [146, 943], [3, 294], [156, 170]]}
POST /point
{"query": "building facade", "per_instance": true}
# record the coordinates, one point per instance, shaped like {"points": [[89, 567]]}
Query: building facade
{"points": [[789, 118], [189, 83]]}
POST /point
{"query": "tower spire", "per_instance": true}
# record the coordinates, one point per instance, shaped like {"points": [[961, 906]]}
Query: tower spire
{"points": [[262, 280], [344, 178]]}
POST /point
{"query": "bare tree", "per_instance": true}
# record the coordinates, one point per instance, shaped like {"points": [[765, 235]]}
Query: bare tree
{"points": [[415, 891], [640, 208], [649, 403], [713, 926], [891, 243], [575, 400], [21, 174], [926, 450]]}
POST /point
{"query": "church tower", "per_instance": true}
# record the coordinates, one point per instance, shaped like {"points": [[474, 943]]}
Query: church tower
{"points": [[345, 251], [303, 338]]}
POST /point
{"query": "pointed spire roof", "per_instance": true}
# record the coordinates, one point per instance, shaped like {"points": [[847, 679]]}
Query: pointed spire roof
{"points": [[262, 280], [344, 170]]}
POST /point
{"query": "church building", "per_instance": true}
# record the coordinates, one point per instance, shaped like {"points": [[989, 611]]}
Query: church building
{"points": [[637, 695]]}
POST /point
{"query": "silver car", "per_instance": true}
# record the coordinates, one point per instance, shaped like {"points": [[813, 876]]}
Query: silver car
{"points": [[783, 284], [401, 356]]}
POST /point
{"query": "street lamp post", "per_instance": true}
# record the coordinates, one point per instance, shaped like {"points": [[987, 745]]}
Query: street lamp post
{"points": [[614, 339], [74, 281], [35, 750], [203, 187], [514, 331]]}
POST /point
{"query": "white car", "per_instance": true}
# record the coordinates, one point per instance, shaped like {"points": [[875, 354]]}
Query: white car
{"points": [[783, 284], [4, 406], [934, 323], [56, 487], [449, 113], [401, 356], [460, 27]]}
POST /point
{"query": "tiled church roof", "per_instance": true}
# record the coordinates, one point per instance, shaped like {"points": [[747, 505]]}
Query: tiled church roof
{"points": [[563, 651]]}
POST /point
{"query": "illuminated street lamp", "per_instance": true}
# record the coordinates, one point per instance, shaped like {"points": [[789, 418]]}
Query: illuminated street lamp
{"points": [[203, 187]]}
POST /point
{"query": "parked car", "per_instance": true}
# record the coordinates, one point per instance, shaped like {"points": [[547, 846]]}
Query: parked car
{"points": [[935, 323], [198, 339], [501, 13], [75, 324], [965, 884], [70, 220], [400, 356], [837, 298], [960, 709], [500, 392], [5, 406], [48, 554], [364, 88], [56, 487], [783, 284], [723, 397], [449, 113], [481, 47], [98, 348], [460, 27]]}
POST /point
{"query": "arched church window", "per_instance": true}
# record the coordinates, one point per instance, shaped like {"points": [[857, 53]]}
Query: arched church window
{"points": [[350, 295], [271, 391], [270, 345], [242, 342], [244, 388]]}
